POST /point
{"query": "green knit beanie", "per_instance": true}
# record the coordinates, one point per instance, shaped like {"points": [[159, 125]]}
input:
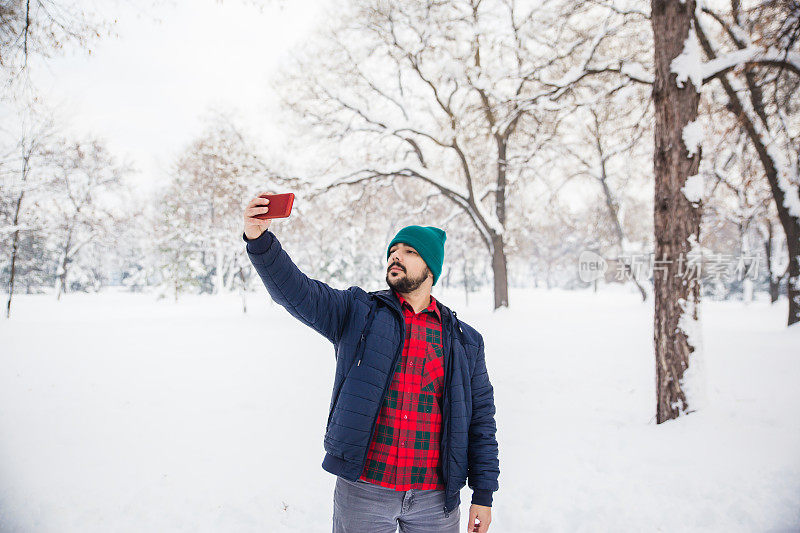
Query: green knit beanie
{"points": [[428, 241]]}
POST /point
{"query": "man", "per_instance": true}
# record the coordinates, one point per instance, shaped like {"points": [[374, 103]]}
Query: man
{"points": [[412, 410]]}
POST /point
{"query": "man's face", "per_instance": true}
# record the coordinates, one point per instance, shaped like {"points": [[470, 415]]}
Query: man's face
{"points": [[405, 269]]}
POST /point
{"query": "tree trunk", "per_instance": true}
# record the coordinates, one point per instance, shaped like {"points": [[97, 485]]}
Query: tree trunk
{"points": [[676, 219], [791, 225], [243, 290], [466, 284], [500, 273], [613, 213], [774, 280], [219, 282], [14, 251], [62, 275]]}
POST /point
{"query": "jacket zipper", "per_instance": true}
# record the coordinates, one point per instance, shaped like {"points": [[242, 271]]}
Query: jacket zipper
{"points": [[360, 351], [363, 346], [445, 457], [447, 405]]}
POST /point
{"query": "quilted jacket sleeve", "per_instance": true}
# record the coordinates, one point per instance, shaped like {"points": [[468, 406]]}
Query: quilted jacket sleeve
{"points": [[311, 301], [483, 466]]}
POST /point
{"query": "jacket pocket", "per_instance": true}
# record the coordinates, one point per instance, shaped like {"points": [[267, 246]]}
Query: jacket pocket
{"points": [[359, 350], [333, 404], [360, 347]]}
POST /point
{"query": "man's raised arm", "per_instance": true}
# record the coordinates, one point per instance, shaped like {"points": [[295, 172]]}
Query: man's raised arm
{"points": [[311, 301]]}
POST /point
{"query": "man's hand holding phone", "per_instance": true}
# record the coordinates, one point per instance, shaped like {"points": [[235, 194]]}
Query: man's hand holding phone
{"points": [[254, 227], [258, 215]]}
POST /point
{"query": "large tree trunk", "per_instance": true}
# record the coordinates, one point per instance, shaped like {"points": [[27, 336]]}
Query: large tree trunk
{"points": [[500, 272], [676, 219]]}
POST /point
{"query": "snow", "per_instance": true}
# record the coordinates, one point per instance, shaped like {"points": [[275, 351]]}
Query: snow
{"points": [[693, 381], [693, 188], [746, 55], [693, 136], [120, 413], [688, 64], [490, 218], [637, 72]]}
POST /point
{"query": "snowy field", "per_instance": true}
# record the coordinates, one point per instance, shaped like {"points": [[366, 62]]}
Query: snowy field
{"points": [[122, 414]]}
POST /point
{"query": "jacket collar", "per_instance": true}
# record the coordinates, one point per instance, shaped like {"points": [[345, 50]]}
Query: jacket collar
{"points": [[435, 309], [448, 316]]}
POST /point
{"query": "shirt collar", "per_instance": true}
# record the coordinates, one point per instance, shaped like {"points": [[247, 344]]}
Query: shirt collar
{"points": [[431, 307]]}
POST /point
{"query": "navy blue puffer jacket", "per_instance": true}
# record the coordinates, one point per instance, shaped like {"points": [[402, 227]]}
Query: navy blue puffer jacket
{"points": [[368, 327]]}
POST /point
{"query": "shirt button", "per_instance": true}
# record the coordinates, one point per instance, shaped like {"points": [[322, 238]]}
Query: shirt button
{"points": [[405, 416]]}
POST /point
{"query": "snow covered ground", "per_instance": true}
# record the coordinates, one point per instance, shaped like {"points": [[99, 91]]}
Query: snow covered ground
{"points": [[122, 414]]}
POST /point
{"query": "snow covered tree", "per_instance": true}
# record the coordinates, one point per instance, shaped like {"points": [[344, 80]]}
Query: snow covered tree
{"points": [[681, 38], [84, 172], [677, 212], [198, 233], [738, 210], [610, 136], [24, 182], [759, 76], [41, 28], [458, 95]]}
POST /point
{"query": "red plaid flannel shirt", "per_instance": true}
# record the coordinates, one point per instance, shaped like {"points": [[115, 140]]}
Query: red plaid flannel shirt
{"points": [[404, 451]]}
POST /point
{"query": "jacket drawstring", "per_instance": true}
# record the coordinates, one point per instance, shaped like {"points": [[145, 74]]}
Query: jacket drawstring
{"points": [[458, 323]]}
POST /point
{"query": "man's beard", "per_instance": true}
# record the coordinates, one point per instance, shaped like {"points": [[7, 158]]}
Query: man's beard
{"points": [[405, 283]]}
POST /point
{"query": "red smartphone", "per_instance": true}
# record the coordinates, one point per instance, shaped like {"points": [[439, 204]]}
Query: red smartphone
{"points": [[280, 205]]}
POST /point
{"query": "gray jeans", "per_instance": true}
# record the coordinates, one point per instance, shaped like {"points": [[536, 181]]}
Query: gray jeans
{"points": [[360, 507]]}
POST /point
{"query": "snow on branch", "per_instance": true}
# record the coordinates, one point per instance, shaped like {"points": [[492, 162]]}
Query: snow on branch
{"points": [[490, 219], [368, 174], [636, 72], [578, 71], [751, 54], [688, 65]]}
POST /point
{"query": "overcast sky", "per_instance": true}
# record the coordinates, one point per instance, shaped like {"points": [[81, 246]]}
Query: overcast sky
{"points": [[147, 91]]}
